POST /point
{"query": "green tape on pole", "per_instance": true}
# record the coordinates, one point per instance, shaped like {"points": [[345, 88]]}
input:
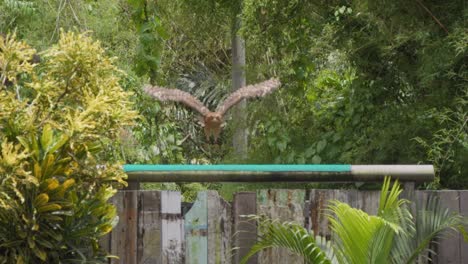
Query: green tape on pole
{"points": [[236, 167]]}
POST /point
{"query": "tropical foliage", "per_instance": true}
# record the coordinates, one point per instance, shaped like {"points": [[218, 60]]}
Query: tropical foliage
{"points": [[364, 82], [394, 235], [57, 166], [366, 79]]}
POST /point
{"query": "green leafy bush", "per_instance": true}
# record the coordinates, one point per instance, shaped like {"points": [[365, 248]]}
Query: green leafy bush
{"points": [[58, 119]]}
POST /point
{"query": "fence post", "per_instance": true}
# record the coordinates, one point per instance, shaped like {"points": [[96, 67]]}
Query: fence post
{"points": [[196, 231], [124, 235], [133, 185], [409, 189], [219, 229], [409, 194], [284, 205], [464, 212], [149, 227], [172, 228], [245, 232], [448, 247]]}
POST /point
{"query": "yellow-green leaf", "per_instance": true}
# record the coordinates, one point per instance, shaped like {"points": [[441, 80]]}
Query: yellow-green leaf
{"points": [[35, 147], [31, 242], [41, 200], [35, 227], [59, 143], [37, 171], [47, 137], [47, 163], [48, 208], [42, 255], [106, 228], [68, 183], [20, 260], [52, 184], [51, 217], [24, 142]]}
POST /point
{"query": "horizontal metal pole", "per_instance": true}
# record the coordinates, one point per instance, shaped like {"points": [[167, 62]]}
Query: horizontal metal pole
{"points": [[356, 173]]}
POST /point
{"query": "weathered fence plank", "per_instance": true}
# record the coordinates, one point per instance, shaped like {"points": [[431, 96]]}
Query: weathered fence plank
{"points": [[172, 224], [149, 227], [448, 248], [244, 232], [369, 201], [124, 235], [285, 205], [219, 229], [208, 230], [464, 212], [420, 203], [196, 231], [318, 202]]}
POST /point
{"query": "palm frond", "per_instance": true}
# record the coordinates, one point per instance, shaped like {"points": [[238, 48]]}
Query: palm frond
{"points": [[363, 238], [391, 236], [392, 208], [359, 237], [292, 236], [432, 222]]}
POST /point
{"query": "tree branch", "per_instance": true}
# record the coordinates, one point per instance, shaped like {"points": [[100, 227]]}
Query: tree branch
{"points": [[432, 15]]}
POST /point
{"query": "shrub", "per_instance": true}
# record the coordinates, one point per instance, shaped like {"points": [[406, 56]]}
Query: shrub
{"points": [[58, 118]]}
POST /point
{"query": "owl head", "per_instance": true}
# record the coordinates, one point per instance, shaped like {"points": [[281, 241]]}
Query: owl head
{"points": [[214, 118]]}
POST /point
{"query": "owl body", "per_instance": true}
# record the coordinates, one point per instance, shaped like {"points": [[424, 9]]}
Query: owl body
{"points": [[213, 121]]}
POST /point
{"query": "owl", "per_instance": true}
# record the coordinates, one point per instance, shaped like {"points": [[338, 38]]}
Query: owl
{"points": [[212, 121]]}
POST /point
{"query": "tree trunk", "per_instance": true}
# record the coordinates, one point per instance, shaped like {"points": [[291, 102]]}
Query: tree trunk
{"points": [[239, 116]]}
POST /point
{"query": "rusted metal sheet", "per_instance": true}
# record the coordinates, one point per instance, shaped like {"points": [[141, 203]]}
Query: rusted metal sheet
{"points": [[172, 224], [149, 227], [124, 235], [196, 231], [244, 232], [285, 205], [219, 229]]}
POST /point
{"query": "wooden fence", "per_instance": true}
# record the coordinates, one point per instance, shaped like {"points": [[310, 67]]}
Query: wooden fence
{"points": [[156, 227]]}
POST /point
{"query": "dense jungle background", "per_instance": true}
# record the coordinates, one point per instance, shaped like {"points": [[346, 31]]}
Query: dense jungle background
{"points": [[364, 82]]}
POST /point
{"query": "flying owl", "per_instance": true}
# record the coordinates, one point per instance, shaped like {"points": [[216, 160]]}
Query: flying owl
{"points": [[212, 121]]}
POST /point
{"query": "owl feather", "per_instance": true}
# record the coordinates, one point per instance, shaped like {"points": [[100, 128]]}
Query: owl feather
{"points": [[213, 120]]}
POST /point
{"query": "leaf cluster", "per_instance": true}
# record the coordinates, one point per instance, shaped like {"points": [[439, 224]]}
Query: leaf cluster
{"points": [[57, 119], [365, 78]]}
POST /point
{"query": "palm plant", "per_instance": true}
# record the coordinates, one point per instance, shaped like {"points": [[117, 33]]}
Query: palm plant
{"points": [[391, 236]]}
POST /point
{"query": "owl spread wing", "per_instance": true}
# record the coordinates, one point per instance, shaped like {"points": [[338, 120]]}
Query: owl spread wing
{"points": [[164, 94], [255, 90]]}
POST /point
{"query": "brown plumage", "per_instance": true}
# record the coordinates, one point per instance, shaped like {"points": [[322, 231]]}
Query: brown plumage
{"points": [[212, 121]]}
